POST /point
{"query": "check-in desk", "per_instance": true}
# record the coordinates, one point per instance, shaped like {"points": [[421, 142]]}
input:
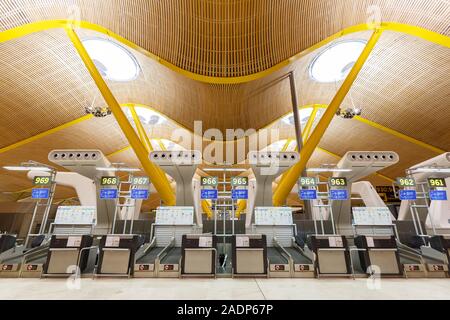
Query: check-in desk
{"points": [[199, 255], [249, 255]]}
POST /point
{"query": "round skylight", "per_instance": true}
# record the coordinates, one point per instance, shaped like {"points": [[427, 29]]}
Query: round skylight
{"points": [[113, 61], [335, 62]]}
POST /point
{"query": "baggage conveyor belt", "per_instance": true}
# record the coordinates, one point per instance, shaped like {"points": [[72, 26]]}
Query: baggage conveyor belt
{"points": [[150, 257], [275, 257], [172, 257], [297, 257]]}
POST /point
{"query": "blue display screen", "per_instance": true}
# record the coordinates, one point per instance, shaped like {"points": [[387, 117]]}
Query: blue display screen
{"points": [[238, 194], [139, 194], [308, 194], [338, 194], [108, 193], [40, 193], [209, 194], [440, 195], [407, 195]]}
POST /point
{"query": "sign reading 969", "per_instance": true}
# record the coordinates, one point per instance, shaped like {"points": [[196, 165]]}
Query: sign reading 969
{"points": [[41, 181], [239, 181]]}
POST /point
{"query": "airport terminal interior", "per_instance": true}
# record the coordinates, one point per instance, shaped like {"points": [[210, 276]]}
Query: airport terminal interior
{"points": [[224, 149]]}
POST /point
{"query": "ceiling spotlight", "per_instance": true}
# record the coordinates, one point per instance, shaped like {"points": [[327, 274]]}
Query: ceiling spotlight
{"points": [[335, 62], [113, 61], [348, 113]]}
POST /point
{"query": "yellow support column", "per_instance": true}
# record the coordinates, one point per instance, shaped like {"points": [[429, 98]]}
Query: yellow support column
{"points": [[288, 181], [309, 124], [162, 186]]}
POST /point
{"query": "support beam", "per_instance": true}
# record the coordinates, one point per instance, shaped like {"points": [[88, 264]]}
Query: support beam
{"points": [[309, 124], [45, 133], [288, 181], [162, 186]]}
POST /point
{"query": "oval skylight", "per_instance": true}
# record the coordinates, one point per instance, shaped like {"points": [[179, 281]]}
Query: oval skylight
{"points": [[335, 62], [304, 116], [147, 116], [113, 61]]}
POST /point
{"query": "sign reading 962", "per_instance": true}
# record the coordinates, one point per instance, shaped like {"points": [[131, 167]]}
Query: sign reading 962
{"points": [[209, 181], [239, 181], [406, 182]]}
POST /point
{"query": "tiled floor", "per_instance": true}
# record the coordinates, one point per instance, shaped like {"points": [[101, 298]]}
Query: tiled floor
{"points": [[251, 289]]}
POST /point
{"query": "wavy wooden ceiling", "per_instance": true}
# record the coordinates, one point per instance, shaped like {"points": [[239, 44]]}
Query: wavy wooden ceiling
{"points": [[404, 84]]}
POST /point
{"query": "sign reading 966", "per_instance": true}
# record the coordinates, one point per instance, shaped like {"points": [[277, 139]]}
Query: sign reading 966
{"points": [[239, 181], [209, 181]]}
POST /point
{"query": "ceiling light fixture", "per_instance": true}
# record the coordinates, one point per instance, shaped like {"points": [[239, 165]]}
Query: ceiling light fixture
{"points": [[335, 62], [115, 169], [113, 61], [26, 168], [328, 170]]}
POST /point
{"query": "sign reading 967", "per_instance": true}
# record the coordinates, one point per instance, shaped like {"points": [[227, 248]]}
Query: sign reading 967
{"points": [[239, 181], [41, 181], [209, 181], [140, 181], [109, 181], [337, 182]]}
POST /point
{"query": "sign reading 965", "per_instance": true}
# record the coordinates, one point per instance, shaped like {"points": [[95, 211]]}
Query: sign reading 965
{"points": [[109, 181], [209, 181], [239, 181], [42, 181]]}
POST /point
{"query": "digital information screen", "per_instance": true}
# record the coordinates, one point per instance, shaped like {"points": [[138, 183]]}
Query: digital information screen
{"points": [[338, 194], [308, 182], [140, 181], [209, 181], [407, 194], [108, 193], [40, 193], [139, 194], [238, 194], [239, 181], [406, 182], [308, 194], [209, 194], [436, 183], [438, 195], [109, 181], [42, 181], [337, 182]]}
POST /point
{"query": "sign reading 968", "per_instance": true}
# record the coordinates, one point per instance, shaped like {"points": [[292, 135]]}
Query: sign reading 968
{"points": [[209, 181], [109, 181], [239, 181]]}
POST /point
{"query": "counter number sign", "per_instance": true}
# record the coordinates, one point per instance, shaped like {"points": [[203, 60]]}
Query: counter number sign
{"points": [[436, 183], [109, 181], [41, 181], [239, 181], [209, 181], [337, 182], [406, 182], [307, 182]]}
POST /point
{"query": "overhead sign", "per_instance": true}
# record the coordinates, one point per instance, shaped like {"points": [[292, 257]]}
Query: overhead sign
{"points": [[108, 193], [109, 181], [238, 194], [271, 216], [387, 193], [42, 181], [338, 194], [209, 181], [406, 182], [40, 193], [76, 215], [407, 194], [308, 194], [368, 216], [139, 194], [209, 194], [308, 182], [140, 181], [239, 181], [438, 195], [436, 183], [337, 182]]}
